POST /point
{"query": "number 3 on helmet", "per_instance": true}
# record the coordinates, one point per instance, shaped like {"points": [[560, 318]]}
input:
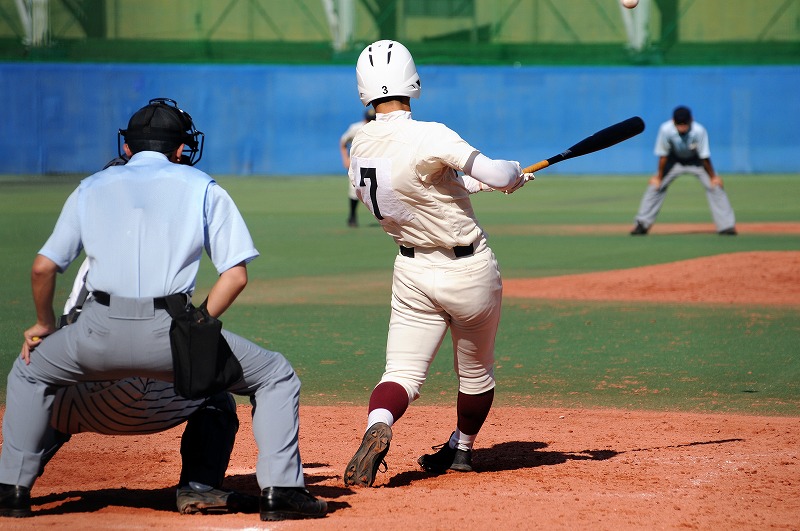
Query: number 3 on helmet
{"points": [[386, 68]]}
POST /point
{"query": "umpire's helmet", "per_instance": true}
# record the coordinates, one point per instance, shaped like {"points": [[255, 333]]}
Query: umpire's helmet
{"points": [[162, 126], [386, 68]]}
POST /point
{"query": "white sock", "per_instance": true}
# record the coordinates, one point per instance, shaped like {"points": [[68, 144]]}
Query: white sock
{"points": [[379, 415], [461, 441]]}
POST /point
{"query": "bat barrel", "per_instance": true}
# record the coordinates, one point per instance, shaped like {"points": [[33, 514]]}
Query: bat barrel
{"points": [[605, 138]]}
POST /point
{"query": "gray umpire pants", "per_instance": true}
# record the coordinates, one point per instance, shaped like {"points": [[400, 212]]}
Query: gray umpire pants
{"points": [[131, 338], [718, 202]]}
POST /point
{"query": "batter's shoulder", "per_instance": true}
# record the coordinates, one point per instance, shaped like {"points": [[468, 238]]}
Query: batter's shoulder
{"points": [[434, 130]]}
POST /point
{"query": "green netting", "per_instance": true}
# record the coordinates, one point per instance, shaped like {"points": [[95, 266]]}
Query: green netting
{"points": [[573, 32]]}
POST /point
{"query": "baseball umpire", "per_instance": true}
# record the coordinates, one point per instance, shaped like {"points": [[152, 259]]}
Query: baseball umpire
{"points": [[135, 406], [144, 226], [445, 275], [682, 147]]}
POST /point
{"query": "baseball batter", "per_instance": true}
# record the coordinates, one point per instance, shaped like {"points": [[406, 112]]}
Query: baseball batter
{"points": [[445, 275], [135, 405], [344, 148], [682, 147], [144, 226]]}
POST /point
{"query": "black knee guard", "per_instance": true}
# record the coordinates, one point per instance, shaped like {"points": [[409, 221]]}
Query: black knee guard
{"points": [[207, 441]]}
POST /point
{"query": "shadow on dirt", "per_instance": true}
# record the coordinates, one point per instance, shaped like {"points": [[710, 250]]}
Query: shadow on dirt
{"points": [[88, 501], [516, 455], [163, 499], [512, 455]]}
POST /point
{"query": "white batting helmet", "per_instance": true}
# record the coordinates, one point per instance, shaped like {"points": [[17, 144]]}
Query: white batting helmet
{"points": [[386, 68]]}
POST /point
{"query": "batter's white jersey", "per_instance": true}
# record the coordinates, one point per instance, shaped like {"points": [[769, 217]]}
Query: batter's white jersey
{"points": [[404, 171], [446, 276]]}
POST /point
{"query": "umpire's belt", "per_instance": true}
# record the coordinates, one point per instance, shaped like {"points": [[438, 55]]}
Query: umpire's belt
{"points": [[159, 303], [460, 251]]}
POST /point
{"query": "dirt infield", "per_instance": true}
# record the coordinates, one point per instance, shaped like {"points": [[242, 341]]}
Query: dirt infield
{"points": [[535, 468]]}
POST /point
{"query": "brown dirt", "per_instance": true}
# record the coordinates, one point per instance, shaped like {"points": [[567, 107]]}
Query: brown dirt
{"points": [[536, 468], [770, 278]]}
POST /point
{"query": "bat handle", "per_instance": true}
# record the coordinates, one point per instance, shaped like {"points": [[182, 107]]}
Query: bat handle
{"points": [[536, 167]]}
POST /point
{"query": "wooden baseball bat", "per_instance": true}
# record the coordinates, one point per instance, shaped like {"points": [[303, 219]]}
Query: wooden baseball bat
{"points": [[602, 139]]}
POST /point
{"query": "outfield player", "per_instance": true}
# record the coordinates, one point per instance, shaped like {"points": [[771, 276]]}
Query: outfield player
{"points": [[144, 226], [344, 149], [135, 405], [682, 147], [445, 275]]}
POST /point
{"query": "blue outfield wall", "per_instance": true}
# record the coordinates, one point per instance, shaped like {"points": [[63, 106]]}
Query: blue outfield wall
{"points": [[284, 120]]}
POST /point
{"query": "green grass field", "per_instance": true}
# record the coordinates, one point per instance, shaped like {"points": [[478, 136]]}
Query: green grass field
{"points": [[320, 292]]}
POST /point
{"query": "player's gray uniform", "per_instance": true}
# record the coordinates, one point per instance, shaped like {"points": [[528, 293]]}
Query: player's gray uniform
{"points": [[122, 407], [114, 215], [684, 155]]}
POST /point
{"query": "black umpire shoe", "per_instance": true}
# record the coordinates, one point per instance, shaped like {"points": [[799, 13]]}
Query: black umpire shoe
{"points": [[290, 503], [446, 459], [15, 501], [639, 230]]}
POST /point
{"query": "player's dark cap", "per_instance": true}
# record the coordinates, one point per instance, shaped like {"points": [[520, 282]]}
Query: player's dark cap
{"points": [[162, 126], [682, 115]]}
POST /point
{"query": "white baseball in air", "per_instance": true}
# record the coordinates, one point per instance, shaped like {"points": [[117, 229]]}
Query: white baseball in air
{"points": [[630, 4]]}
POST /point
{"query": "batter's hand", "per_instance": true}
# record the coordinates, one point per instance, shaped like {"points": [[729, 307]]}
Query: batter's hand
{"points": [[520, 182], [33, 336]]}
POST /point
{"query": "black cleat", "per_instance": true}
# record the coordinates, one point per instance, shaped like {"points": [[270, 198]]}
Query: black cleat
{"points": [[364, 465], [446, 459], [728, 232], [290, 503], [198, 498], [639, 229]]}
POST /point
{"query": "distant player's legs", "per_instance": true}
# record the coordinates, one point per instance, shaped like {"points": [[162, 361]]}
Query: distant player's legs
{"points": [[352, 200], [718, 203], [654, 196]]}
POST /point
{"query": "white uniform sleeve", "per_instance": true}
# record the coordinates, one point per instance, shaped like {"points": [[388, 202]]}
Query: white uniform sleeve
{"points": [[498, 174], [474, 185]]}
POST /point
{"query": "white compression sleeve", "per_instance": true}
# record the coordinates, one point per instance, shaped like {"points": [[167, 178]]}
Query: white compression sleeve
{"points": [[474, 185], [499, 174]]}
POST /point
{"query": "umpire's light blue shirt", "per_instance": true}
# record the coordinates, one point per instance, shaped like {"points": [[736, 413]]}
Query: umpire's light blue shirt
{"points": [[144, 226], [693, 144]]}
